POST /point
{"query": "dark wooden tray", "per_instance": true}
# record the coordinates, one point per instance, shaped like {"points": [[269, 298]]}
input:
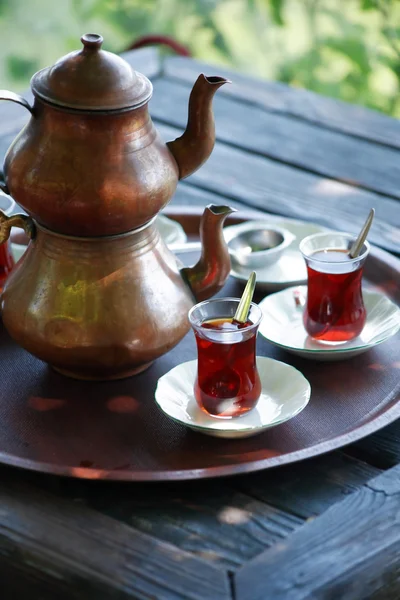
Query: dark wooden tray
{"points": [[114, 430]]}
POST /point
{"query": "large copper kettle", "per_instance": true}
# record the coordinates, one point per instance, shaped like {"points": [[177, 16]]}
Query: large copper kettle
{"points": [[98, 295], [106, 307], [90, 161]]}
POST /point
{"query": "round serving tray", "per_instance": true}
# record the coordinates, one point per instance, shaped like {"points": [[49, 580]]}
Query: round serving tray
{"points": [[114, 430]]}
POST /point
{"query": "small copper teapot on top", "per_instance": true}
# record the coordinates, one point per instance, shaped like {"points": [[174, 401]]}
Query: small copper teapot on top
{"points": [[90, 161], [98, 294]]}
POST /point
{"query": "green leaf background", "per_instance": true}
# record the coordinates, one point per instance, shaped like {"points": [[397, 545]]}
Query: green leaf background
{"points": [[349, 49]]}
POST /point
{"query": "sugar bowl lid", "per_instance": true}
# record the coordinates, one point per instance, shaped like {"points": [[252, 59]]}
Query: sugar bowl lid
{"points": [[92, 79]]}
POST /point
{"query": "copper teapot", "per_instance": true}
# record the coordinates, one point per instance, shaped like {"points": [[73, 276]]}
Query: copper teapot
{"points": [[98, 294], [90, 161]]}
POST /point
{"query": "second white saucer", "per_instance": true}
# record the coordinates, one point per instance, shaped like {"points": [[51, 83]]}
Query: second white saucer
{"points": [[285, 393], [282, 325], [170, 231]]}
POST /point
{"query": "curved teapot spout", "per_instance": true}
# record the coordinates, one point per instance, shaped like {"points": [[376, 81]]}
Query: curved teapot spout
{"points": [[209, 275], [193, 148]]}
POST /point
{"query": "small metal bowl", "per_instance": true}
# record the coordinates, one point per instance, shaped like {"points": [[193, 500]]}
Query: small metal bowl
{"points": [[258, 245]]}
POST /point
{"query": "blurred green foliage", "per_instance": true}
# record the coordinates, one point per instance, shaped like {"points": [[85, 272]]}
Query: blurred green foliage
{"points": [[348, 49]]}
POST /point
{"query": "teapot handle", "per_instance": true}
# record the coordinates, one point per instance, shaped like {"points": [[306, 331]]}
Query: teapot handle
{"points": [[19, 220], [6, 95], [3, 185]]}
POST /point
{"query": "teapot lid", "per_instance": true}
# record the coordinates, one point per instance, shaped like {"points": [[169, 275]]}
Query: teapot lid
{"points": [[92, 79]]}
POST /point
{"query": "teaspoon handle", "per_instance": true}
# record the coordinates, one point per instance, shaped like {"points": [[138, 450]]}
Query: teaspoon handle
{"points": [[242, 311], [358, 244]]}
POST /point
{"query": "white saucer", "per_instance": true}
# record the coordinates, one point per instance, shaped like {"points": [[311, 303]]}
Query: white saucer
{"points": [[285, 392], [282, 325], [171, 232], [17, 250], [290, 268]]}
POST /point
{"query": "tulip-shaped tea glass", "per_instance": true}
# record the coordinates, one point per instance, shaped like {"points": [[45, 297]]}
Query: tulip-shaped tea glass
{"points": [[334, 312], [7, 205], [227, 384]]}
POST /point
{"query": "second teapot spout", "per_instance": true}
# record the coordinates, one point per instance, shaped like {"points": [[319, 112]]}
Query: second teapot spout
{"points": [[209, 275], [192, 149]]}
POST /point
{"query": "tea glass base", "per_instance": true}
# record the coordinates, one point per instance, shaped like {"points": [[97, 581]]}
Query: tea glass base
{"points": [[122, 375], [329, 343], [223, 417]]}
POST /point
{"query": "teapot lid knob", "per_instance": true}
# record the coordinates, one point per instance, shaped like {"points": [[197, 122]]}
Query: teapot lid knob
{"points": [[92, 41]]}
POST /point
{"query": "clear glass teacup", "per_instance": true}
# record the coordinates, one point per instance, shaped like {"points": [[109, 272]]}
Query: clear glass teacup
{"points": [[227, 384], [334, 312]]}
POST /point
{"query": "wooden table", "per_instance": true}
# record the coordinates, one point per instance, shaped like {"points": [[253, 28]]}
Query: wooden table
{"points": [[327, 528]]}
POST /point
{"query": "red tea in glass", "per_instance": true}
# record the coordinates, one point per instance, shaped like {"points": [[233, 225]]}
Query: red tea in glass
{"points": [[227, 384], [334, 311], [7, 205]]}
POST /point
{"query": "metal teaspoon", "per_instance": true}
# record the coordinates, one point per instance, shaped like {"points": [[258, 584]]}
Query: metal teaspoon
{"points": [[242, 311], [362, 236]]}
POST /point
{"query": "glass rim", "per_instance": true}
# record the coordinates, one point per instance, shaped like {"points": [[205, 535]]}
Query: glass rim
{"points": [[350, 236], [221, 300], [7, 211]]}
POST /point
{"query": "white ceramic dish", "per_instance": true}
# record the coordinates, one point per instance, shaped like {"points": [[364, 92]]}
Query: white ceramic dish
{"points": [[285, 393], [171, 232], [17, 250], [282, 325], [290, 268]]}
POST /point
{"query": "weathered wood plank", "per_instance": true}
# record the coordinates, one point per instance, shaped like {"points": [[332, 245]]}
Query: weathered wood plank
{"points": [[53, 548], [210, 521], [270, 186], [351, 552], [215, 521], [309, 488], [381, 449], [190, 195], [145, 60], [280, 98], [288, 140]]}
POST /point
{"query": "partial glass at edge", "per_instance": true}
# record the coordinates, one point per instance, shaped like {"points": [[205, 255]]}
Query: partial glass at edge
{"points": [[7, 205], [227, 384], [334, 311]]}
